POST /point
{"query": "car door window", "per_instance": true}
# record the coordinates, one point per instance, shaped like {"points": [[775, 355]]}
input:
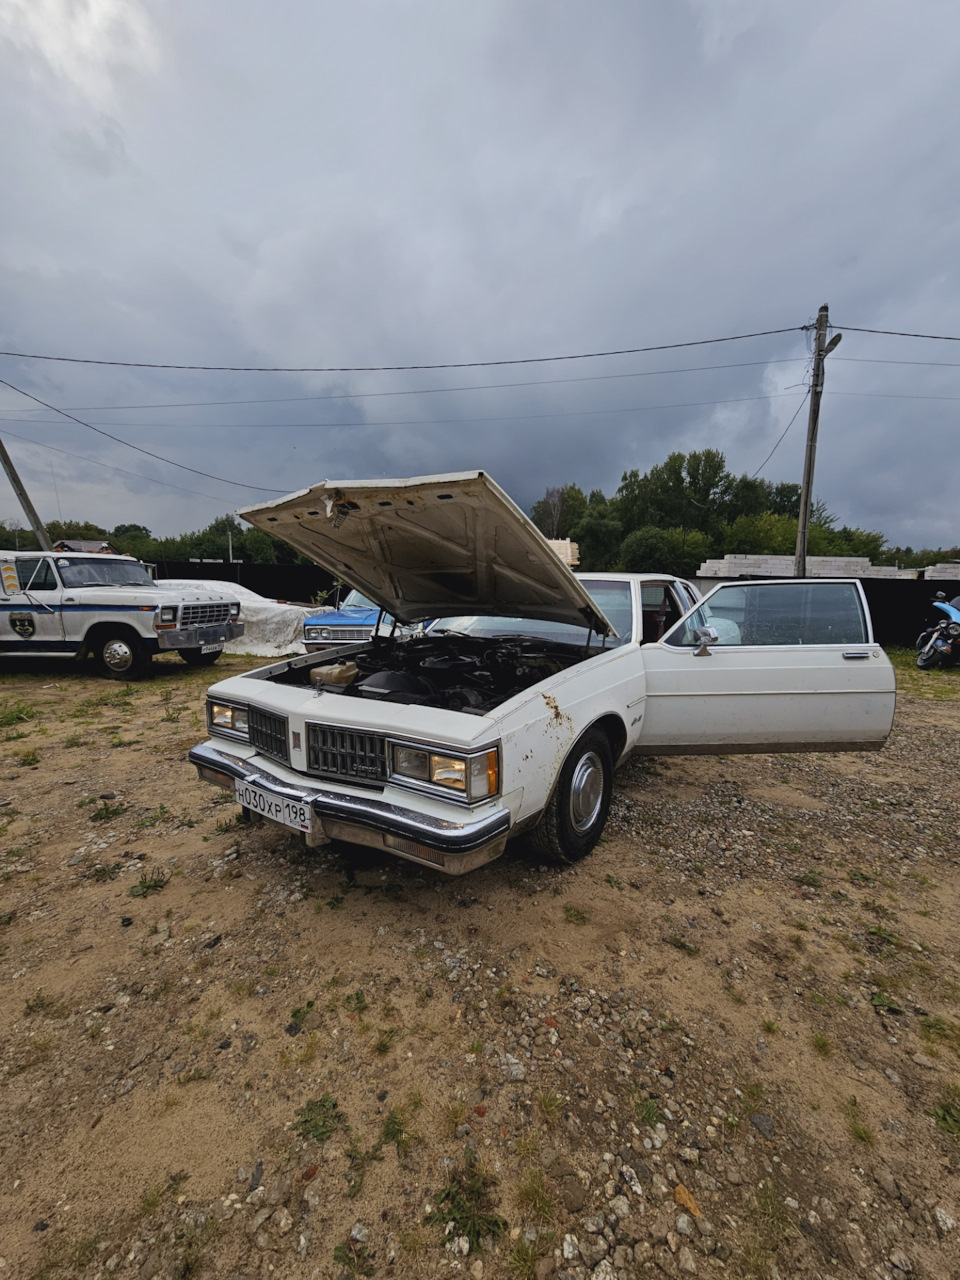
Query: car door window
{"points": [[36, 575], [778, 613], [661, 608]]}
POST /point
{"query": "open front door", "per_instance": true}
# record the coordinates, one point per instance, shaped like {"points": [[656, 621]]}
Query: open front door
{"points": [[787, 666]]}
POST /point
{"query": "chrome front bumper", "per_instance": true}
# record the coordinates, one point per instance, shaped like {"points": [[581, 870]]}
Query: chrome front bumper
{"points": [[194, 637], [451, 845]]}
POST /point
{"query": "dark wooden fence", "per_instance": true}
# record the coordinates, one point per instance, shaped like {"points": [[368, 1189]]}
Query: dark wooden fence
{"points": [[296, 583], [901, 608]]}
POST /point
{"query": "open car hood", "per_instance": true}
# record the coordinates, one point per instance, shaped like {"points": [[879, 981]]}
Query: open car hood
{"points": [[431, 547]]}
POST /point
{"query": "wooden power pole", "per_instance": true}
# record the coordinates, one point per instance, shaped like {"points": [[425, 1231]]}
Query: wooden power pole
{"points": [[29, 510], [822, 349]]}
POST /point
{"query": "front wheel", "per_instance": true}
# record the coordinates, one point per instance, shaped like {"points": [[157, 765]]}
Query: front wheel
{"points": [[577, 811], [119, 654], [194, 658], [928, 659]]}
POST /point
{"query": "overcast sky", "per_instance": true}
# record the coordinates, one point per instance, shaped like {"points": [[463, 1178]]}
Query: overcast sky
{"points": [[308, 183]]}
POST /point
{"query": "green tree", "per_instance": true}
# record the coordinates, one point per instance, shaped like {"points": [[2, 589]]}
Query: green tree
{"points": [[598, 536], [765, 534], [653, 550], [559, 510]]}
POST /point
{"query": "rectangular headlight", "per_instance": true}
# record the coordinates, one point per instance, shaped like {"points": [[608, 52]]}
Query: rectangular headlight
{"points": [[475, 777], [408, 762], [235, 609], [224, 716], [448, 771], [167, 615]]}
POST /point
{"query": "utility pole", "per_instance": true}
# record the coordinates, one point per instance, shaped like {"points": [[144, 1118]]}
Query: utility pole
{"points": [[821, 350], [29, 510]]}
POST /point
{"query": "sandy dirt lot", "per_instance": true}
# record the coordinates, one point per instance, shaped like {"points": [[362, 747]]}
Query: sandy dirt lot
{"points": [[726, 1044]]}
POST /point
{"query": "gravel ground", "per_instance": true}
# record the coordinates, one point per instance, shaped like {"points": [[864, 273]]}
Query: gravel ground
{"points": [[725, 1044]]}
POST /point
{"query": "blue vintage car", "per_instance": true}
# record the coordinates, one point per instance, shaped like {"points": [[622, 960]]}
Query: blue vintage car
{"points": [[354, 620]]}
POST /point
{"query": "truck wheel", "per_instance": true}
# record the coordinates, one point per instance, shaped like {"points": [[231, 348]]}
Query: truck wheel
{"points": [[577, 811], [194, 658], [118, 654]]}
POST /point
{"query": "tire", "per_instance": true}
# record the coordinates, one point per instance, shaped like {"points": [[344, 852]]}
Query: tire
{"points": [[927, 661], [576, 813], [194, 658], [119, 654]]}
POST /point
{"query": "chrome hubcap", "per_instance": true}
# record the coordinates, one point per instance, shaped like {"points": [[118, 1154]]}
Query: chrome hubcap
{"points": [[586, 792], [118, 655]]}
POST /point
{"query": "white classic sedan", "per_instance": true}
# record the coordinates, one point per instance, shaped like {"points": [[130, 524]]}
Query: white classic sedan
{"points": [[511, 712]]}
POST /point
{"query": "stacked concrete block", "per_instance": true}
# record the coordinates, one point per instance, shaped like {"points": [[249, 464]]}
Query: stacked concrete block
{"points": [[761, 566]]}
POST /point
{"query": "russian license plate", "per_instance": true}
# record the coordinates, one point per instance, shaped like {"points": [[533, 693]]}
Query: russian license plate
{"points": [[210, 648], [290, 813]]}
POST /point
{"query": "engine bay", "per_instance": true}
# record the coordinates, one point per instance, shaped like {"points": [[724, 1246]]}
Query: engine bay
{"points": [[450, 671]]}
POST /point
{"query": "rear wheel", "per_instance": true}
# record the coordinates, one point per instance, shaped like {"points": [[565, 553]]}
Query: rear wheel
{"points": [[574, 818], [194, 658], [119, 654]]}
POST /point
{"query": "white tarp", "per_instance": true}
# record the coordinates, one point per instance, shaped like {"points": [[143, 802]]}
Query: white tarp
{"points": [[270, 629]]}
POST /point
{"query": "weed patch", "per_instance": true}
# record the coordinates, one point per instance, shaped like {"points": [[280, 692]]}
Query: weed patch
{"points": [[320, 1119], [467, 1203], [946, 1111], [150, 882]]}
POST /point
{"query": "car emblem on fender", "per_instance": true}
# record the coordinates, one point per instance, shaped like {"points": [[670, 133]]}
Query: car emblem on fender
{"points": [[23, 624]]}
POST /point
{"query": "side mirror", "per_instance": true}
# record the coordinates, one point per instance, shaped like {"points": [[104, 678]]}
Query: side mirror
{"points": [[941, 595], [704, 637]]}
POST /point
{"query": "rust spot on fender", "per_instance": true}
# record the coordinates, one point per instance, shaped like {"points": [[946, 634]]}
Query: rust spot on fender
{"points": [[553, 708]]}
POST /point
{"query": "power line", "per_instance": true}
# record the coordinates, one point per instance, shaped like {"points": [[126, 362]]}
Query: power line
{"points": [[429, 391], [927, 364], [408, 422], [494, 386], [890, 333], [97, 463], [401, 368], [782, 434], [206, 474], [891, 395]]}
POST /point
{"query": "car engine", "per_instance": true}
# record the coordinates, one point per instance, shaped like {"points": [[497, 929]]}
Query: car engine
{"points": [[452, 672]]}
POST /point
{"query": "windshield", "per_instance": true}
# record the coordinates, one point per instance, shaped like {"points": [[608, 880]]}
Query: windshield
{"points": [[612, 598], [357, 601], [96, 573]]}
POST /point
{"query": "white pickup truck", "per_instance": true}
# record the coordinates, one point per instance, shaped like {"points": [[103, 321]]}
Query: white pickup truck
{"points": [[510, 713], [65, 603]]}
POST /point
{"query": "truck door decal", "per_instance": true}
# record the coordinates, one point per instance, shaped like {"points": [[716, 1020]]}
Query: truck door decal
{"points": [[24, 624]]}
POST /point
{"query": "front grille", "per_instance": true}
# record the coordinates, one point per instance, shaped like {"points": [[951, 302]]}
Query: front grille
{"points": [[205, 615], [268, 733], [346, 633], [342, 753]]}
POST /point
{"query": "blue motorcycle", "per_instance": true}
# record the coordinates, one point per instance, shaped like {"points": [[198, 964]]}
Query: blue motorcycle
{"points": [[939, 645]]}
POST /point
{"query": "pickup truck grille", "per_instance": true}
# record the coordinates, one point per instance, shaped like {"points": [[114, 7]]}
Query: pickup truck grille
{"points": [[342, 753], [268, 733], [205, 615]]}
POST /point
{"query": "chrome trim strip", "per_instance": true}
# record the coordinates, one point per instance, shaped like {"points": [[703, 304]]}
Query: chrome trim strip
{"points": [[447, 835]]}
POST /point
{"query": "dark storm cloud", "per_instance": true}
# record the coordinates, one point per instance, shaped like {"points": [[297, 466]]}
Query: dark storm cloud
{"points": [[424, 182]]}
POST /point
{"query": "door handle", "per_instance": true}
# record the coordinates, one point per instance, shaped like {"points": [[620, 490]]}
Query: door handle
{"points": [[856, 655]]}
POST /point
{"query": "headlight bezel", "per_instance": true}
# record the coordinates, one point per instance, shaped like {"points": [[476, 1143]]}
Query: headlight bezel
{"points": [[469, 777], [222, 718], [234, 609], [167, 616], [311, 633]]}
